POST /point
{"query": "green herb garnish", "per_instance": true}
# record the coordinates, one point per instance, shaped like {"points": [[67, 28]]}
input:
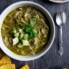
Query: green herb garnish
{"points": [[32, 21]]}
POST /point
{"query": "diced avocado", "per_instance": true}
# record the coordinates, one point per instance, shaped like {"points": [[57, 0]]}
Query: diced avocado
{"points": [[15, 40], [21, 35], [25, 43], [16, 34], [26, 37], [19, 30], [14, 31]]}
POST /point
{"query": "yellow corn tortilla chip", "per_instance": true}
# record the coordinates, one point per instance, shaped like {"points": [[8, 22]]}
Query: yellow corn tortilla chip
{"points": [[1, 54], [25, 67], [5, 60], [8, 66]]}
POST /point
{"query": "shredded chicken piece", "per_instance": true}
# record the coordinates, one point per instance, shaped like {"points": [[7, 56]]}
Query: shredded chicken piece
{"points": [[23, 21], [42, 20], [36, 16], [39, 34], [18, 13], [27, 16], [36, 40], [42, 30], [6, 41], [30, 48], [20, 8]]}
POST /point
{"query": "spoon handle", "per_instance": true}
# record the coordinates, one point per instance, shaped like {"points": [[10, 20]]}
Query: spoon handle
{"points": [[60, 51]]}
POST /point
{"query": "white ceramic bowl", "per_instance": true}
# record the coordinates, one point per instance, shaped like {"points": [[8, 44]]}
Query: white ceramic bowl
{"points": [[51, 23]]}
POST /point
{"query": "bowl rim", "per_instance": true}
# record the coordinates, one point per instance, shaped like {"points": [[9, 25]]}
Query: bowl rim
{"points": [[26, 58], [59, 1]]}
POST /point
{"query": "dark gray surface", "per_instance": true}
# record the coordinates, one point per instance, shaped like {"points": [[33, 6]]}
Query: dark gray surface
{"points": [[51, 60]]}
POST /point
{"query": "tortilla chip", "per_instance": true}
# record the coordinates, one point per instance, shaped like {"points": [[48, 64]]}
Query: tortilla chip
{"points": [[1, 54], [25, 67], [5, 60], [8, 66]]}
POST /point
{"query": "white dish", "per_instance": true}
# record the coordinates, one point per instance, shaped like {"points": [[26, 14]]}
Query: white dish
{"points": [[59, 1], [52, 34]]}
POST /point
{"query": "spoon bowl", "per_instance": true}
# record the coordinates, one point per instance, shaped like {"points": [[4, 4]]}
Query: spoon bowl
{"points": [[61, 18]]}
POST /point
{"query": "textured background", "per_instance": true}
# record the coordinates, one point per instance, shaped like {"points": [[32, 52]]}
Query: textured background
{"points": [[51, 60]]}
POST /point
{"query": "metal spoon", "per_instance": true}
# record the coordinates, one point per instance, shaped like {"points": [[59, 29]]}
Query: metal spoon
{"points": [[60, 20]]}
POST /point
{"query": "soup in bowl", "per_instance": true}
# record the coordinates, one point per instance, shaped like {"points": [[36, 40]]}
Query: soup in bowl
{"points": [[27, 30]]}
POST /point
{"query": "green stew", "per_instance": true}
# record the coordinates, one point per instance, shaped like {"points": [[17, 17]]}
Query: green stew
{"points": [[25, 31]]}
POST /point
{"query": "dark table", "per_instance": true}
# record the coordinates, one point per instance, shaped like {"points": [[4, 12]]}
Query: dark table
{"points": [[51, 60]]}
